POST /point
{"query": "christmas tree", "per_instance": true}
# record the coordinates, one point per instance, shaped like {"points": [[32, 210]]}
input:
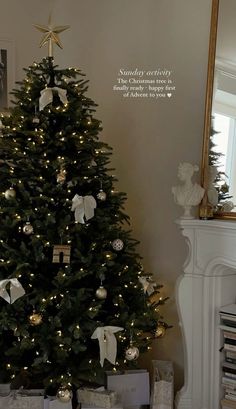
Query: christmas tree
{"points": [[215, 160], [71, 280]]}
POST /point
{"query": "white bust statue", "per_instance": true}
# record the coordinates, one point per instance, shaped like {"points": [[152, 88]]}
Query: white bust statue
{"points": [[187, 194]]}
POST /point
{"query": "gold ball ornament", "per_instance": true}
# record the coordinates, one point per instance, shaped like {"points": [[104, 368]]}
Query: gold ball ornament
{"points": [[160, 331], [108, 255], [132, 353], [61, 177], [101, 293], [64, 394], [35, 319], [10, 193], [101, 195], [117, 245], [28, 228]]}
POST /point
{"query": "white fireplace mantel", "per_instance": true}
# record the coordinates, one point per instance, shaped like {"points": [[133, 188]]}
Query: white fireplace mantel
{"points": [[207, 283]]}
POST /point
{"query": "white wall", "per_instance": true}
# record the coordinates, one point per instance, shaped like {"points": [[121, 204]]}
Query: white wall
{"points": [[149, 137]]}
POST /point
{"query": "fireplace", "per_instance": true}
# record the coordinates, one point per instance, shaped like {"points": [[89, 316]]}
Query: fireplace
{"points": [[207, 283]]}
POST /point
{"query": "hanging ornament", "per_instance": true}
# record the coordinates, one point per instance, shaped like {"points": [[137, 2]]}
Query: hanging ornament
{"points": [[35, 319], [160, 331], [28, 228], [64, 394], [83, 206], [117, 244], [13, 291], [109, 255], [47, 96], [1, 127], [148, 285], [101, 292], [131, 353], [101, 195], [61, 176], [35, 120], [107, 342], [61, 253], [10, 193]]}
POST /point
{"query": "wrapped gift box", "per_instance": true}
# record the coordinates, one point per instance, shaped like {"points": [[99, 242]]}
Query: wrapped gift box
{"points": [[162, 396], [53, 403], [97, 397], [5, 389], [18, 401], [132, 387], [86, 406]]}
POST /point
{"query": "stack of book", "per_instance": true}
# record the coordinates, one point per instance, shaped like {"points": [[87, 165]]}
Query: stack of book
{"points": [[228, 326]]}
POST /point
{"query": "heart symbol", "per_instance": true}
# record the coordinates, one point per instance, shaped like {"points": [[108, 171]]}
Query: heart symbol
{"points": [[169, 94]]}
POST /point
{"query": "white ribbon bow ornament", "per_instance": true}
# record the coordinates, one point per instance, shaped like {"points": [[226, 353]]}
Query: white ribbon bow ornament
{"points": [[148, 286], [47, 96], [16, 290], [83, 206], [107, 342]]}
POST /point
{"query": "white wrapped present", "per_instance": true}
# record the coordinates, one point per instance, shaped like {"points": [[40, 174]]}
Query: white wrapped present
{"points": [[86, 406], [162, 395], [132, 387], [21, 400], [53, 403], [97, 397], [5, 388]]}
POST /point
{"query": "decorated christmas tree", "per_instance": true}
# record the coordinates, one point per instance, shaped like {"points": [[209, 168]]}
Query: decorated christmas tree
{"points": [[74, 298]]}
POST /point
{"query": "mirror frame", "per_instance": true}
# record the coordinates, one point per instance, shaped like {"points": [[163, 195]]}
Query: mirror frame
{"points": [[208, 104]]}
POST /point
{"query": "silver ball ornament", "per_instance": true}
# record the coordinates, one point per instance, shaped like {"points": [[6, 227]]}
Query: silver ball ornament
{"points": [[28, 228], [101, 293], [10, 193], [132, 353], [117, 244], [35, 120], [101, 195], [35, 319], [64, 394]]}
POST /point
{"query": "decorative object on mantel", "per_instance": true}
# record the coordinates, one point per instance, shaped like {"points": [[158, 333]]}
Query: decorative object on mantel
{"points": [[188, 194]]}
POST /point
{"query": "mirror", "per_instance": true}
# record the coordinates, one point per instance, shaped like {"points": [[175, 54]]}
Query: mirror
{"points": [[219, 145]]}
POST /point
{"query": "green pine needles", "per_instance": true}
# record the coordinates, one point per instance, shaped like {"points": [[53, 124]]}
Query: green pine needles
{"points": [[47, 157]]}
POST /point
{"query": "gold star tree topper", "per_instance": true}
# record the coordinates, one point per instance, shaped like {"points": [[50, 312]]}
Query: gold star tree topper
{"points": [[50, 35]]}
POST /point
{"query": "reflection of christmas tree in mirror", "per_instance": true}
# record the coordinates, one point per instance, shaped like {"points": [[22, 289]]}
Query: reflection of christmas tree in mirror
{"points": [[65, 243], [218, 177]]}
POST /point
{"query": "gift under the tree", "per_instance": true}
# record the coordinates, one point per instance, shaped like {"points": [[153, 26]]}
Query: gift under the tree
{"points": [[162, 395], [21, 399], [97, 397], [132, 387], [53, 403], [118, 405]]}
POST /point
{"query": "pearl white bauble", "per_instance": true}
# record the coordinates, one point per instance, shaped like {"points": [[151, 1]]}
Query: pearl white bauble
{"points": [[102, 195], [10, 193], [101, 293], [132, 353]]}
